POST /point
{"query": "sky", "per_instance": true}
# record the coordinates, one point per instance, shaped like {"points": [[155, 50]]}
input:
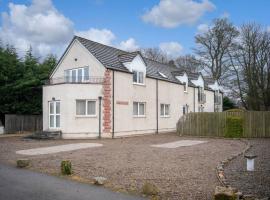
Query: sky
{"points": [[49, 25]]}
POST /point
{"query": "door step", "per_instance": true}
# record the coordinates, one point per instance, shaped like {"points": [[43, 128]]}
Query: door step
{"points": [[45, 135]]}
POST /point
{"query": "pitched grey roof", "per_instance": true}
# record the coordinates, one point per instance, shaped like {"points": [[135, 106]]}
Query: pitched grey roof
{"points": [[114, 58]]}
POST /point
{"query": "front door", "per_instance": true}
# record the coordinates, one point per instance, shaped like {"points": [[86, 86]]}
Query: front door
{"points": [[54, 114]]}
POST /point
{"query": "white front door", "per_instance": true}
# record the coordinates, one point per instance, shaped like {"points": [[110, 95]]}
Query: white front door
{"points": [[54, 114]]}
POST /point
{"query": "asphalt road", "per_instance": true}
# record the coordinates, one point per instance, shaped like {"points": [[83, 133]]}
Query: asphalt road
{"points": [[27, 185]]}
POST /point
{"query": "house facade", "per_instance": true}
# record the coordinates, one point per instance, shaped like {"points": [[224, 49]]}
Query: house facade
{"points": [[96, 90]]}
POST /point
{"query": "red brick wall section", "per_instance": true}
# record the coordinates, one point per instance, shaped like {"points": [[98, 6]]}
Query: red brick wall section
{"points": [[107, 95]]}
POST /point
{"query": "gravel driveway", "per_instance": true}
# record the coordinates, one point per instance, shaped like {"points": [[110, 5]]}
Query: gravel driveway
{"points": [[179, 173], [254, 183]]}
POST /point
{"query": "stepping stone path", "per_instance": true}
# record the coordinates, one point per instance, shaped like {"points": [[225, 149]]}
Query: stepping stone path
{"points": [[180, 143], [57, 149]]}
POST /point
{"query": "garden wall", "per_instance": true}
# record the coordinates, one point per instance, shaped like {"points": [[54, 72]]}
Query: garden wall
{"points": [[226, 124]]}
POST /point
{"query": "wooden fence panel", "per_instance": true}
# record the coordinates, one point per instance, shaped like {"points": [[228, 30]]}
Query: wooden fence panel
{"points": [[20, 123], [255, 124]]}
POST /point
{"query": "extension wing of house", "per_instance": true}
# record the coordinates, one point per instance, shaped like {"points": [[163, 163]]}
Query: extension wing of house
{"points": [[97, 89]]}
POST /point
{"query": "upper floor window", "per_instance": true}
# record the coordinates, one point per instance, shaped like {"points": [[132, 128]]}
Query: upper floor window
{"points": [[138, 77], [164, 110], [201, 95], [139, 109], [77, 75], [217, 97], [185, 86]]}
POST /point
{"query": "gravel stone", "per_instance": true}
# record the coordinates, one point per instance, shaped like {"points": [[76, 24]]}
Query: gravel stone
{"points": [[255, 183], [128, 163]]}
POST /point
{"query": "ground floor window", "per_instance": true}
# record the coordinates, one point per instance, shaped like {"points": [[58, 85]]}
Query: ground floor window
{"points": [[139, 109], [54, 114], [164, 110], [85, 107], [185, 109]]}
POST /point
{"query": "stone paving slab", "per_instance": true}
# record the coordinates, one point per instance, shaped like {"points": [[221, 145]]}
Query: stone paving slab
{"points": [[57, 149], [180, 143]]}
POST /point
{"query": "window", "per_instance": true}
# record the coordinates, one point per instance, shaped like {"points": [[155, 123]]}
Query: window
{"points": [[201, 95], [185, 109], [86, 107], [217, 97], [54, 114], [164, 110], [77, 75], [139, 109], [185, 86], [138, 77]]}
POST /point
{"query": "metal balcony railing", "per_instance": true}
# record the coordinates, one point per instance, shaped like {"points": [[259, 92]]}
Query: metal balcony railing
{"points": [[75, 80]]}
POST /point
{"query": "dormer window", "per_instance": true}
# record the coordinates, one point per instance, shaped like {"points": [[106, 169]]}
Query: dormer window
{"points": [[138, 77]]}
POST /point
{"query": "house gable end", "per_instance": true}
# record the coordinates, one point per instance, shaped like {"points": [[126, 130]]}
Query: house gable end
{"points": [[76, 56]]}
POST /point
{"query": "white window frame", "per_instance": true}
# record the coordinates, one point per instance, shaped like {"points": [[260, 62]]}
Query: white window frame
{"points": [[163, 110], [76, 75], [86, 108], [54, 114], [137, 78], [138, 107]]}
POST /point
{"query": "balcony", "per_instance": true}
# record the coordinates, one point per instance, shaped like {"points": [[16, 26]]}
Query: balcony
{"points": [[75, 80], [201, 98]]}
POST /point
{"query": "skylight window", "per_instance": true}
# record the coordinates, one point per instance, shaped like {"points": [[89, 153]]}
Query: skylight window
{"points": [[163, 75]]}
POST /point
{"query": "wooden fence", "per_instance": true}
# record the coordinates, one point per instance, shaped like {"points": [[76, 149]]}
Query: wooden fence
{"points": [[255, 124], [20, 123]]}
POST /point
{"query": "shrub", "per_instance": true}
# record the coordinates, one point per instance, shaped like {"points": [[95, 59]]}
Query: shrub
{"points": [[234, 127], [149, 189], [66, 167], [235, 110]]}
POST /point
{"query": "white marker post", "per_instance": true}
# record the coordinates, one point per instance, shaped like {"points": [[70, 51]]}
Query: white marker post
{"points": [[250, 162]]}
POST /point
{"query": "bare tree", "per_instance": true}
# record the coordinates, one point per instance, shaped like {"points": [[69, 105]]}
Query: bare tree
{"points": [[250, 61], [213, 47], [188, 62], [155, 54]]}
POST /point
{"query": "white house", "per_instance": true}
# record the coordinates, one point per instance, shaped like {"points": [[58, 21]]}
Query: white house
{"points": [[100, 90]]}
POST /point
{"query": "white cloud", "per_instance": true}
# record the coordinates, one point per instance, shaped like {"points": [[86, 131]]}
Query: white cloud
{"points": [[172, 13], [268, 29], [173, 49], [41, 26], [129, 45], [38, 25], [202, 28], [103, 36]]}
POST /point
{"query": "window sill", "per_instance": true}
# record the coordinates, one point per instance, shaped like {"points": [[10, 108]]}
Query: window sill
{"points": [[85, 116], [166, 116], [139, 84], [139, 116], [54, 128]]}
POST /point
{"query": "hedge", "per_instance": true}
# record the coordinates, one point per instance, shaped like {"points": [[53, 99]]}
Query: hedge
{"points": [[234, 127]]}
